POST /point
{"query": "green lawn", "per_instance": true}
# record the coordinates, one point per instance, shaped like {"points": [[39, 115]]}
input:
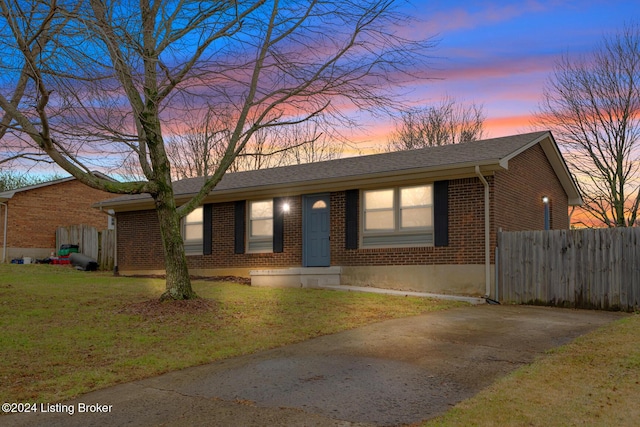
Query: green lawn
{"points": [[65, 332], [593, 381]]}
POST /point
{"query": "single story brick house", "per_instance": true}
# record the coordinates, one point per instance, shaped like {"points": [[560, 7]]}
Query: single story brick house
{"points": [[409, 220], [29, 216]]}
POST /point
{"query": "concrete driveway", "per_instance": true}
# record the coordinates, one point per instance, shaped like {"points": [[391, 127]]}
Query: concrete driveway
{"points": [[390, 373]]}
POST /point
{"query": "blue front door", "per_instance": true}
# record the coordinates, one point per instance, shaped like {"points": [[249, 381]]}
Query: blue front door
{"points": [[315, 231]]}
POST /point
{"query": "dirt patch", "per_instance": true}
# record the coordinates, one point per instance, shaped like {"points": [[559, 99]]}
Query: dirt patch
{"points": [[160, 309], [234, 279]]}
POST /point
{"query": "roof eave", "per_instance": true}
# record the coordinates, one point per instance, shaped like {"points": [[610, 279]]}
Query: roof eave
{"points": [[6, 196], [551, 150], [403, 177]]}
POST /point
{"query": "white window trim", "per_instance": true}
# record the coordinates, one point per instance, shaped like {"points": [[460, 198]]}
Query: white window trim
{"points": [[397, 231], [257, 240]]}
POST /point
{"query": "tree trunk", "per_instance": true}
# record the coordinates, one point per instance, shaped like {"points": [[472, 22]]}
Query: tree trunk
{"points": [[177, 273]]}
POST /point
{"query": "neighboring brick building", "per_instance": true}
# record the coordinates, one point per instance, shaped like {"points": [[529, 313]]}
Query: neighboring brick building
{"points": [[34, 213], [412, 220]]}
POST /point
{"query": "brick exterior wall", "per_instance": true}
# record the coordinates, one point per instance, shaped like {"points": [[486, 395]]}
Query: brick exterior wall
{"points": [[140, 246], [466, 235], [515, 204], [519, 193], [34, 215]]}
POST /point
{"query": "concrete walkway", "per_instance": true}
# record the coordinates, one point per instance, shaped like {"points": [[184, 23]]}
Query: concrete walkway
{"points": [[390, 373]]}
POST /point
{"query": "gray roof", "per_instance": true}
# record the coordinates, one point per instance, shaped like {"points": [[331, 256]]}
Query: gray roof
{"points": [[489, 151], [6, 195]]}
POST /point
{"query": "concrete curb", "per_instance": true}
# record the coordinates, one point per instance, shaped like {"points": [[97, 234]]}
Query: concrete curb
{"points": [[470, 300]]}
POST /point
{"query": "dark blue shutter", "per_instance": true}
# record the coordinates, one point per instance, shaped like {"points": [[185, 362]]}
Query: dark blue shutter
{"points": [[207, 231], [441, 213], [239, 226], [278, 225], [351, 219]]}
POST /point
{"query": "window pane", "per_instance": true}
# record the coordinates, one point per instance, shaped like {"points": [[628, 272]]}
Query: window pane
{"points": [[415, 217], [262, 209], [380, 199], [415, 196], [193, 232], [262, 228], [379, 220], [192, 229], [320, 204], [195, 216], [193, 225]]}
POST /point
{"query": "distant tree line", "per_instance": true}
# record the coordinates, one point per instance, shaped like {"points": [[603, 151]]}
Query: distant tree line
{"points": [[10, 180]]}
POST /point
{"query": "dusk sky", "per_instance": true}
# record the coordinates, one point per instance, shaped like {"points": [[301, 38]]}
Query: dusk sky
{"points": [[499, 53]]}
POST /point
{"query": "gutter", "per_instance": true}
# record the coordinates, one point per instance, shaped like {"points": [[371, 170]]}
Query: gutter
{"points": [[487, 235], [4, 240]]}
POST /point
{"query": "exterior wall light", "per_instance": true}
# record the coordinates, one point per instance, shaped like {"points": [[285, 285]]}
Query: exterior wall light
{"points": [[286, 208]]}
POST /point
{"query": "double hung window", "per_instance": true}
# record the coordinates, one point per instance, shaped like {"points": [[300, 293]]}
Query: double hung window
{"points": [[192, 232], [260, 238], [396, 217]]}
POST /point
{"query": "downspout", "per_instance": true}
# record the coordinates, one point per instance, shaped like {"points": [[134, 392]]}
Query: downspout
{"points": [[115, 245], [573, 208], [4, 239], [487, 235]]}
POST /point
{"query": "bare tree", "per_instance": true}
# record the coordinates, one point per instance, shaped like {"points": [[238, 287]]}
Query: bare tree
{"points": [[309, 143], [303, 142], [264, 150], [108, 79], [447, 122], [198, 151], [592, 106]]}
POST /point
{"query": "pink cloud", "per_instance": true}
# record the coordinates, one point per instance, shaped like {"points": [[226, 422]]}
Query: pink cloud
{"points": [[459, 18], [507, 125], [474, 67]]}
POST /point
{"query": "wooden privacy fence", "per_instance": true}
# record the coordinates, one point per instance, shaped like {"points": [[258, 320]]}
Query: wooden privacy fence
{"points": [[591, 268], [97, 245], [106, 257]]}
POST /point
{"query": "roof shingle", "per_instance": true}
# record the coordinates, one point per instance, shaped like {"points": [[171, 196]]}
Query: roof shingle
{"points": [[493, 149]]}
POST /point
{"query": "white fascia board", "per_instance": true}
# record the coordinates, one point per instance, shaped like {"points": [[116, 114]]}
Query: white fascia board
{"points": [[550, 148], [6, 196]]}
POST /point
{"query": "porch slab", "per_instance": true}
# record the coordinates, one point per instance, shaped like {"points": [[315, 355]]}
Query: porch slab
{"points": [[296, 277]]}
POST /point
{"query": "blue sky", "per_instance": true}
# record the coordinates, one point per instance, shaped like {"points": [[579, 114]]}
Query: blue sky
{"points": [[500, 53]]}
